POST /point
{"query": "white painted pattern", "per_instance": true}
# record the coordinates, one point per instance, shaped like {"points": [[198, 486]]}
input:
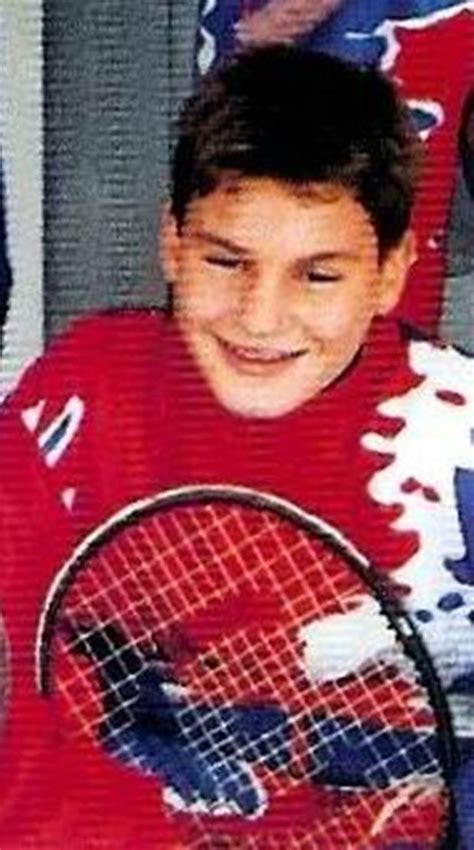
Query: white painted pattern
{"points": [[207, 53]]}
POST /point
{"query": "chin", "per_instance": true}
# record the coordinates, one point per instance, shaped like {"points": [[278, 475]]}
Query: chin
{"points": [[257, 408]]}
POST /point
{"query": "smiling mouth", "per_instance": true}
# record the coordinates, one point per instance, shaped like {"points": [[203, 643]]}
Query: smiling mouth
{"points": [[259, 356]]}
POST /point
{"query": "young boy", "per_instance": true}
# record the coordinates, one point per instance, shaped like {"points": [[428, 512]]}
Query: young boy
{"points": [[286, 245]]}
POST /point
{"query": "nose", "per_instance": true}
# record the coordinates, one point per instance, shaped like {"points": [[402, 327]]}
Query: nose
{"points": [[262, 305]]}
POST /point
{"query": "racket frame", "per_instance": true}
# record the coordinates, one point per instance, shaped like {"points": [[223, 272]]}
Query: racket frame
{"points": [[381, 586]]}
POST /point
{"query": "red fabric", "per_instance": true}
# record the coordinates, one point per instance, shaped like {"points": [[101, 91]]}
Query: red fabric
{"points": [[149, 423]]}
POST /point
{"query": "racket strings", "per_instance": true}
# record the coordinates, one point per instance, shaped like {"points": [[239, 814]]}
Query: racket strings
{"points": [[163, 575], [198, 730], [128, 606], [351, 827], [306, 713], [115, 582], [169, 555]]}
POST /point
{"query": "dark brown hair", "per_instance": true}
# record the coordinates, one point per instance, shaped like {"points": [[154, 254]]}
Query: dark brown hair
{"points": [[300, 117]]}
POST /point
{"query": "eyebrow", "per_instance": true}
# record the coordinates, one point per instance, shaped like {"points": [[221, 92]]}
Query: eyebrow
{"points": [[327, 256], [218, 241], [228, 245]]}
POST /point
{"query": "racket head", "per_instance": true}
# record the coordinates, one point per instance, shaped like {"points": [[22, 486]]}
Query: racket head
{"points": [[221, 601]]}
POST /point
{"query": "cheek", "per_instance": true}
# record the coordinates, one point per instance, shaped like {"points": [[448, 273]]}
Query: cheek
{"points": [[337, 319], [199, 296], [339, 328]]}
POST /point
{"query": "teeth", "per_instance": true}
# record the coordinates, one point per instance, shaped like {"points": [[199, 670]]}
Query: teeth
{"points": [[261, 354], [267, 356]]}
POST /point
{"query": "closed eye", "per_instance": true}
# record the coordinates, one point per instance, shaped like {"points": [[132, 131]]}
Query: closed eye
{"points": [[319, 276], [223, 262]]}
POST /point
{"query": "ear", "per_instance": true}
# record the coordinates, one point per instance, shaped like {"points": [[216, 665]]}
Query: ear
{"points": [[170, 241], [394, 271]]}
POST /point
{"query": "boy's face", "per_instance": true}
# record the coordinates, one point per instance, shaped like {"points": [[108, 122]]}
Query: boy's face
{"points": [[275, 289]]}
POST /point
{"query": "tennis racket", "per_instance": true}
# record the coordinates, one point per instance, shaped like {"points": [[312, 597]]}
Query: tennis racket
{"points": [[235, 660]]}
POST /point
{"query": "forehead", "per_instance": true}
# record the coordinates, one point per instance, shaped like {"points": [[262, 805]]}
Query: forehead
{"points": [[263, 213]]}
